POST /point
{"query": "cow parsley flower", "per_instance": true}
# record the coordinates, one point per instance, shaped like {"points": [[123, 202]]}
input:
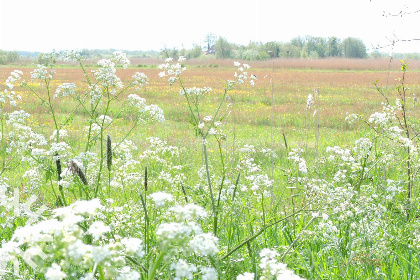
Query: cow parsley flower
{"points": [[209, 273], [379, 118], [71, 55], [204, 244], [97, 229], [54, 273], [246, 276], [65, 90], [183, 270], [62, 134], [133, 246], [120, 58], [104, 119], [127, 274], [309, 102], [140, 80], [171, 70], [160, 198], [188, 212]]}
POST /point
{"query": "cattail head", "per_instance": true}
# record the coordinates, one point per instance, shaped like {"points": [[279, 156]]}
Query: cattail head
{"points": [[75, 168], [108, 153]]}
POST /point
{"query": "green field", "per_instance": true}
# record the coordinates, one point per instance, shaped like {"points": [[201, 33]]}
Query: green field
{"points": [[275, 173]]}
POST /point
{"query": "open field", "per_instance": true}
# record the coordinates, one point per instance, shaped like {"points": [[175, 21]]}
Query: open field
{"points": [[277, 101], [265, 189]]}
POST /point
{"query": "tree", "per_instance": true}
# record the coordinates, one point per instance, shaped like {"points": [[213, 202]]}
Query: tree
{"points": [[333, 47], [223, 48], [272, 48], [298, 42], [315, 44], [210, 41], [289, 50], [174, 53], [354, 48], [195, 52], [8, 57]]}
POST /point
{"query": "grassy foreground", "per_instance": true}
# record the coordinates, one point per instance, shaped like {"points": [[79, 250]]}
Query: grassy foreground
{"points": [[236, 183]]}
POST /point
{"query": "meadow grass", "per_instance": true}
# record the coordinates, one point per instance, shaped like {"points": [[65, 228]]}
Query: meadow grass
{"points": [[342, 214]]}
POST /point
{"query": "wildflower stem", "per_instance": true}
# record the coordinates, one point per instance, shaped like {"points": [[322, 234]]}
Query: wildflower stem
{"points": [[297, 238], [258, 233], [209, 182], [101, 162], [3, 145], [153, 269], [146, 217], [217, 112]]}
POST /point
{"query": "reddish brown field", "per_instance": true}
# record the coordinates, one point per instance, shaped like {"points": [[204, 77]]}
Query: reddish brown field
{"points": [[281, 91]]}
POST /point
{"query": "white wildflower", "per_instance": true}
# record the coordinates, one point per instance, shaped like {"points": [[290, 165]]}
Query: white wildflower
{"points": [[209, 273], [246, 276], [160, 198], [54, 273], [97, 229], [183, 270], [65, 90], [204, 244], [133, 246]]}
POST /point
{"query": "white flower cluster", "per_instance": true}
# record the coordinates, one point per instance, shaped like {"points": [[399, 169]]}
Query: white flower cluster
{"points": [[343, 154], [160, 198], [172, 70], [140, 80], [71, 56], [362, 148], [8, 94], [65, 90], [120, 58], [379, 118], [17, 117], [183, 236], [106, 76], [309, 102], [294, 156], [106, 73], [154, 111], [41, 73], [63, 241], [15, 76], [195, 91], [271, 268], [241, 75]]}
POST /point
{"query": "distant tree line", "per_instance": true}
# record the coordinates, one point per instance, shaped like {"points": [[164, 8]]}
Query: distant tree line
{"points": [[7, 57], [299, 47]]}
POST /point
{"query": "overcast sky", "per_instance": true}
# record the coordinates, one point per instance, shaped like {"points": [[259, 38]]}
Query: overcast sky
{"points": [[43, 25]]}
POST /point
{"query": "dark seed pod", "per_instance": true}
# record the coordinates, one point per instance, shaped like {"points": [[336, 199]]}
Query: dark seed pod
{"points": [[58, 164], [145, 178], [78, 171], [108, 153]]}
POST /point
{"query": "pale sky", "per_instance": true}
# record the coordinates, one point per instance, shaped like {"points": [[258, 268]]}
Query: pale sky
{"points": [[44, 25]]}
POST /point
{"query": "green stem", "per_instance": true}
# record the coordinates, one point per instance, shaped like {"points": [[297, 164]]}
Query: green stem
{"points": [[146, 217], [258, 233], [297, 238], [153, 269], [3, 144], [217, 112], [209, 181], [101, 162]]}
